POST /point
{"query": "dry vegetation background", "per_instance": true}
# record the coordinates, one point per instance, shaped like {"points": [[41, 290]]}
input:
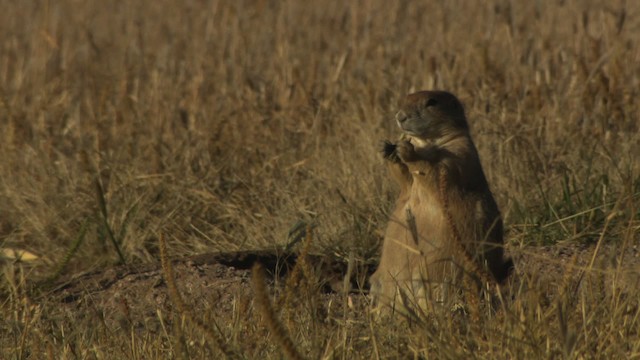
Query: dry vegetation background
{"points": [[222, 124]]}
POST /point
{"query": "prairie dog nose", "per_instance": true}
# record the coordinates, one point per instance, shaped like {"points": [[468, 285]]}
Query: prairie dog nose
{"points": [[401, 116]]}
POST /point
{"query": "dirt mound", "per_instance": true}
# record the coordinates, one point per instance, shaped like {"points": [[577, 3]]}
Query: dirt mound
{"points": [[217, 288], [135, 295]]}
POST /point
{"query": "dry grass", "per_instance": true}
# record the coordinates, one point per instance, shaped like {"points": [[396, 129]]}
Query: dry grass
{"points": [[222, 123]]}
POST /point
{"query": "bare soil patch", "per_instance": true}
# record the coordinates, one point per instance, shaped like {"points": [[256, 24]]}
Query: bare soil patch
{"points": [[218, 287]]}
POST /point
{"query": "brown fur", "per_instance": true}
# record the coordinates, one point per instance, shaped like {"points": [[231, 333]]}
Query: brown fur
{"points": [[443, 188]]}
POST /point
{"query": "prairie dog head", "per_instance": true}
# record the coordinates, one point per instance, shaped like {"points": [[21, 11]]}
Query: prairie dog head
{"points": [[428, 116]]}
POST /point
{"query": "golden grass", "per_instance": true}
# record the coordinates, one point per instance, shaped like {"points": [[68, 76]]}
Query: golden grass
{"points": [[222, 123], [266, 310]]}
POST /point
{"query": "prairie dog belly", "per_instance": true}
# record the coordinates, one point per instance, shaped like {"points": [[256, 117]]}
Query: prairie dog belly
{"points": [[429, 217]]}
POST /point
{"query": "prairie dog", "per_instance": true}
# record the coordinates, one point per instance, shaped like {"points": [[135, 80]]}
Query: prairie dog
{"points": [[445, 223]]}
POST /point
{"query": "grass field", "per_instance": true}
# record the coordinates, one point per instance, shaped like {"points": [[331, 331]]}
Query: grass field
{"points": [[219, 125]]}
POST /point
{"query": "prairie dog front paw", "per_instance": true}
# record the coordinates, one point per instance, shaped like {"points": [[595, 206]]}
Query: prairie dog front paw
{"points": [[406, 152]]}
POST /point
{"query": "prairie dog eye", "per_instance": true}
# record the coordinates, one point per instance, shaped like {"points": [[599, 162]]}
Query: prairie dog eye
{"points": [[431, 102]]}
